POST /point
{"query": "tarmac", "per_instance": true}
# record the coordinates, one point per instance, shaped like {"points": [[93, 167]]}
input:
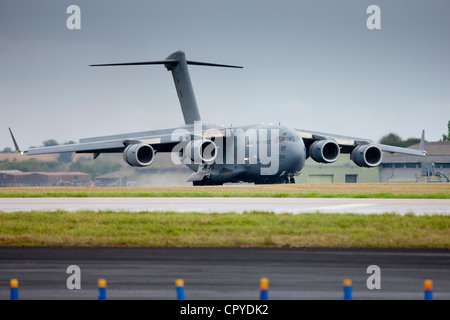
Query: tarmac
{"points": [[223, 273]]}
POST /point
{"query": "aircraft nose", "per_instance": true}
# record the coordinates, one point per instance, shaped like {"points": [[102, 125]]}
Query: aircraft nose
{"points": [[295, 157]]}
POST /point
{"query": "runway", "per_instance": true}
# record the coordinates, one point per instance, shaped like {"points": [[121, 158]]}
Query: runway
{"points": [[239, 205], [223, 273]]}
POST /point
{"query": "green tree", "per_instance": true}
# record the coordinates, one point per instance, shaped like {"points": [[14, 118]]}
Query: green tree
{"points": [[66, 157], [391, 139], [31, 165], [446, 137], [80, 167], [50, 142], [104, 166], [394, 139], [99, 167]]}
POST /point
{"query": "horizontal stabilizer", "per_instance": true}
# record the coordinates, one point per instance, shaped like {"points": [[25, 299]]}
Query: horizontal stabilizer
{"points": [[196, 63], [135, 63], [169, 61]]}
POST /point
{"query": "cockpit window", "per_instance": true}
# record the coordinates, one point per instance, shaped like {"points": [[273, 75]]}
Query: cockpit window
{"points": [[284, 138]]}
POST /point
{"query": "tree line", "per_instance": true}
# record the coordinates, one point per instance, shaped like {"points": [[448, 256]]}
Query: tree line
{"points": [[394, 139], [94, 168]]}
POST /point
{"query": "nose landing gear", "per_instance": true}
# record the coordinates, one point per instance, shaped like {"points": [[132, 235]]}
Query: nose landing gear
{"points": [[289, 179]]}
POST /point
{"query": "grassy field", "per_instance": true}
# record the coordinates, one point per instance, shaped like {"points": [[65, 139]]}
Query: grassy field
{"points": [[365, 190], [256, 229]]}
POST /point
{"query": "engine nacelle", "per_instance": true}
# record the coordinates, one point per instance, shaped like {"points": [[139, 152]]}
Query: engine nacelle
{"points": [[202, 151], [325, 151], [139, 155], [368, 155]]}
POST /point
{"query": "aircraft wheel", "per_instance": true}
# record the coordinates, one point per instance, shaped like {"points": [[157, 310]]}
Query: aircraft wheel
{"points": [[204, 182]]}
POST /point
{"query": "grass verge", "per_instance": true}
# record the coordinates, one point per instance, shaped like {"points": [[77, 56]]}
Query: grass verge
{"points": [[345, 190], [255, 229]]}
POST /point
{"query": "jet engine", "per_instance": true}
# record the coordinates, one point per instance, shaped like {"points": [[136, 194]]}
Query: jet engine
{"points": [[325, 151], [202, 150], [139, 155], [368, 155]]}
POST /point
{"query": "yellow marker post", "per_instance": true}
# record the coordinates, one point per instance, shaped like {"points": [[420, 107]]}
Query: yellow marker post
{"points": [[179, 284], [347, 289], [101, 289], [14, 293], [428, 286], [264, 289]]}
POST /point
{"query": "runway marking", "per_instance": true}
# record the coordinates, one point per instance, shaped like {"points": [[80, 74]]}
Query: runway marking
{"points": [[221, 199], [239, 205], [340, 207]]}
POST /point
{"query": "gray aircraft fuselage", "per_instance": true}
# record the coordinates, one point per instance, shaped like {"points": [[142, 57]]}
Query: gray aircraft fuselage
{"points": [[264, 153]]}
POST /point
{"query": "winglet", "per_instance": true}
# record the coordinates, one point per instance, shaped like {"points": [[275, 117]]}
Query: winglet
{"points": [[422, 143], [15, 142]]}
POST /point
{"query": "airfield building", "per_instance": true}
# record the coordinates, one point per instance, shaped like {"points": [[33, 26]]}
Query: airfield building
{"points": [[435, 167], [15, 178]]}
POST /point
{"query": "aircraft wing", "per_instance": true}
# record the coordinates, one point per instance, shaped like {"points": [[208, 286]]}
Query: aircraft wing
{"points": [[160, 140], [393, 149], [163, 140], [95, 147], [347, 144]]}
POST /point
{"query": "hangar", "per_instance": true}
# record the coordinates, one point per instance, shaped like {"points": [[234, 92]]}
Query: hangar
{"points": [[435, 167], [15, 178]]}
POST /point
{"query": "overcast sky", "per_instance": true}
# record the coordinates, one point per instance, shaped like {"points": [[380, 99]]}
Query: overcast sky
{"points": [[307, 64]]}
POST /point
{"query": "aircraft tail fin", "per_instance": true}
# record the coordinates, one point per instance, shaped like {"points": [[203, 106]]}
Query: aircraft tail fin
{"points": [[177, 64], [422, 142]]}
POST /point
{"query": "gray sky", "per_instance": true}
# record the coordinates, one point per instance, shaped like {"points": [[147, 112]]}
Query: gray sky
{"points": [[307, 64]]}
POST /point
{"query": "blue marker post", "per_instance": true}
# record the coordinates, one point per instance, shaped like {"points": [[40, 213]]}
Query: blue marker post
{"points": [[179, 283], [14, 294], [264, 289], [101, 289], [347, 289], [428, 286]]}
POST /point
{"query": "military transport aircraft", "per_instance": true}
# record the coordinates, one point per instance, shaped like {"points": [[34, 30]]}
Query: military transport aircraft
{"points": [[263, 153]]}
